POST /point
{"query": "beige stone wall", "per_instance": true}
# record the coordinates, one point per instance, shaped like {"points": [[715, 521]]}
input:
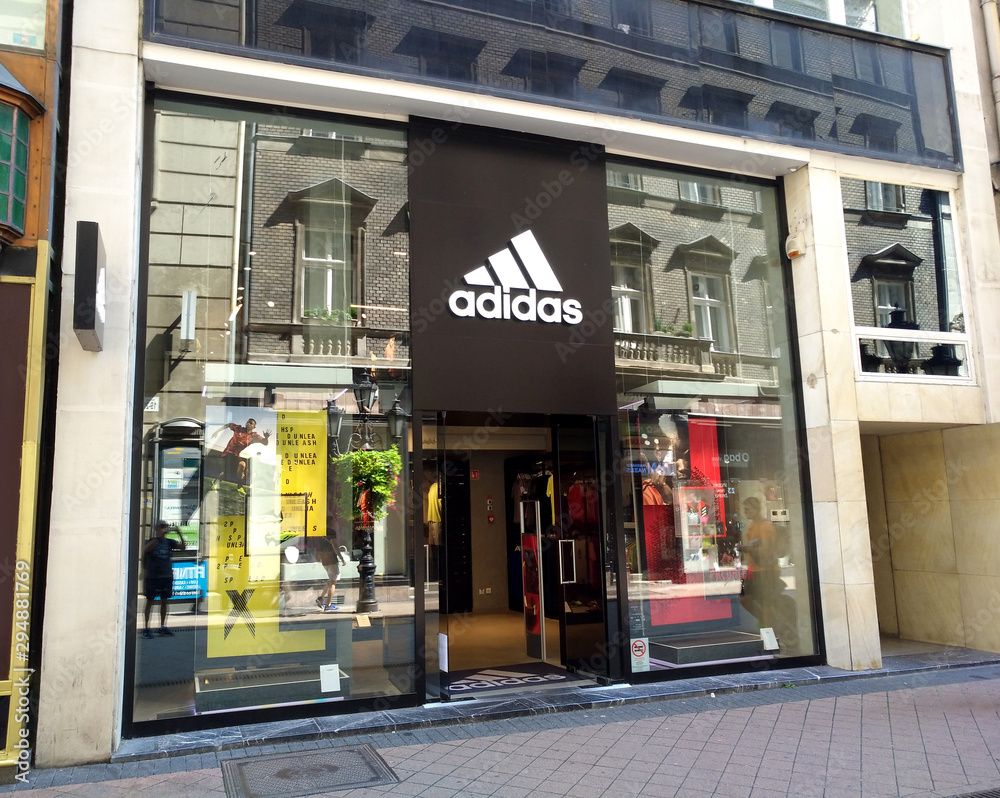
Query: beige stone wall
{"points": [[935, 536]]}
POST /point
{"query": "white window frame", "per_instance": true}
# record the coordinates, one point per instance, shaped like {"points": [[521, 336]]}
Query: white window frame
{"points": [[721, 335]]}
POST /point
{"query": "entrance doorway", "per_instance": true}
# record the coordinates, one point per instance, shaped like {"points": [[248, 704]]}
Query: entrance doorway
{"points": [[515, 544]]}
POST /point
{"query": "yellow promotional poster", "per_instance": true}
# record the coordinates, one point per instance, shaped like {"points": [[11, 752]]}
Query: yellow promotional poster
{"points": [[247, 620], [302, 453]]}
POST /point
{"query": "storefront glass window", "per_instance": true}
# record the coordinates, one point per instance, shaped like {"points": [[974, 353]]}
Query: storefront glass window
{"points": [[905, 288], [744, 69], [715, 540], [276, 347]]}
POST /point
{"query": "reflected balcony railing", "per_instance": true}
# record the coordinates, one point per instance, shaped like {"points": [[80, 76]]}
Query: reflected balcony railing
{"points": [[909, 354], [676, 353]]}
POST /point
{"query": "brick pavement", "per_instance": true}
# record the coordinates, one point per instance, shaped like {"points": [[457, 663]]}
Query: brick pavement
{"points": [[921, 735]]}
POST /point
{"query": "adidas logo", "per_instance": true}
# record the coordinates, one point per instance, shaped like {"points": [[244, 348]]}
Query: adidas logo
{"points": [[521, 266]]}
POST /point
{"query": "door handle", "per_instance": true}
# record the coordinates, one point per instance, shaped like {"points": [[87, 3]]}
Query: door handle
{"points": [[567, 576]]}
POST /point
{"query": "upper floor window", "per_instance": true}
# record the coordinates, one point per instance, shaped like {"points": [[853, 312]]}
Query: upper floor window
{"points": [[725, 107], [549, 74], [791, 121], [442, 55], [329, 32], [786, 47], [619, 178], [867, 64], [885, 197], [632, 16], [631, 249], [14, 124], [327, 273], [701, 193], [861, 14], [710, 308], [718, 30]]}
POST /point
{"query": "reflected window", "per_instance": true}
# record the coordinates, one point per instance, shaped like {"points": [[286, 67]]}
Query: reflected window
{"points": [[718, 30], [893, 296], [327, 276], [791, 121], [622, 179], [629, 297], [700, 193], [546, 73], [867, 65], [632, 16], [786, 47], [861, 14], [710, 306], [725, 107], [631, 288], [442, 55], [328, 32], [635, 91], [885, 197]]}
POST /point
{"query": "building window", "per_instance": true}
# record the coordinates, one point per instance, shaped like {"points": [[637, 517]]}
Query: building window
{"points": [[867, 65], [629, 296], [885, 197], [792, 122], [14, 124], [725, 110], [891, 296], [447, 67], [862, 14], [621, 179], [700, 193], [326, 268], [442, 55], [632, 16], [718, 30], [786, 47], [710, 307]]}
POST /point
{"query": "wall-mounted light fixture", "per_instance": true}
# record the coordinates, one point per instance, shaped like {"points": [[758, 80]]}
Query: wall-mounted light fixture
{"points": [[189, 301], [89, 288]]}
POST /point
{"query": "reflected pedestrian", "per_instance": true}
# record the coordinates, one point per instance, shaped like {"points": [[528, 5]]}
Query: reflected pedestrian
{"points": [[158, 573]]}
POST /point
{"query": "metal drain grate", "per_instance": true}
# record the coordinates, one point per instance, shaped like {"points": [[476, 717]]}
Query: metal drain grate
{"points": [[985, 794], [306, 773]]}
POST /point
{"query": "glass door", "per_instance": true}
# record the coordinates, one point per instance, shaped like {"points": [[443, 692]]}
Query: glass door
{"points": [[580, 545]]}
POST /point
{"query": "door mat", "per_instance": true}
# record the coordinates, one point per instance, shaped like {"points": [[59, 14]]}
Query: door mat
{"points": [[306, 773], [527, 676]]}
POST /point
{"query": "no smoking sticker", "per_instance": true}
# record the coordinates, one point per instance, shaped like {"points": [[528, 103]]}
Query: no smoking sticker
{"points": [[640, 654]]}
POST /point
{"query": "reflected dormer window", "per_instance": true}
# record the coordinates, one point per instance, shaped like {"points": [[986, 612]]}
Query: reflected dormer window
{"points": [[442, 55]]}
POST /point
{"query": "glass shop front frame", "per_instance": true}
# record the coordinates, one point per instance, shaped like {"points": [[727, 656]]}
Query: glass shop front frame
{"points": [[290, 558]]}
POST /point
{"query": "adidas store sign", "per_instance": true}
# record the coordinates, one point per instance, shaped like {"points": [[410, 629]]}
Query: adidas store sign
{"points": [[522, 266]]}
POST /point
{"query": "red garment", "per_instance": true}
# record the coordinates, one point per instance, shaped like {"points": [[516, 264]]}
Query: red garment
{"points": [[241, 439]]}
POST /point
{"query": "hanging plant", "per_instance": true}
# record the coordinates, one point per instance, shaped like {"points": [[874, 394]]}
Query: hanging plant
{"points": [[374, 477]]}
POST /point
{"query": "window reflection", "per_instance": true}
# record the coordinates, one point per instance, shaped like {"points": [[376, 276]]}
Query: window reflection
{"points": [[278, 290], [904, 279], [715, 539], [673, 60]]}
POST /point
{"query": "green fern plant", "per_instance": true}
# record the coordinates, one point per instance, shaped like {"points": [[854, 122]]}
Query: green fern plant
{"points": [[375, 473]]}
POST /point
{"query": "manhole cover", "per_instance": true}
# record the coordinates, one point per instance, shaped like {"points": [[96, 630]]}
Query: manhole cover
{"points": [[305, 773]]}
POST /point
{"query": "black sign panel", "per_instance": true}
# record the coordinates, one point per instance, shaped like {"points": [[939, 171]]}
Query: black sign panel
{"points": [[510, 273]]}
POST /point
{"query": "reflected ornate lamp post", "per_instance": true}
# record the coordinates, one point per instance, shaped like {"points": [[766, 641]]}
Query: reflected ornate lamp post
{"points": [[367, 464]]}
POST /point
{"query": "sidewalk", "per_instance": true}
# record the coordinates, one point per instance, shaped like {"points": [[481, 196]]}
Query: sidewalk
{"points": [[922, 731]]}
